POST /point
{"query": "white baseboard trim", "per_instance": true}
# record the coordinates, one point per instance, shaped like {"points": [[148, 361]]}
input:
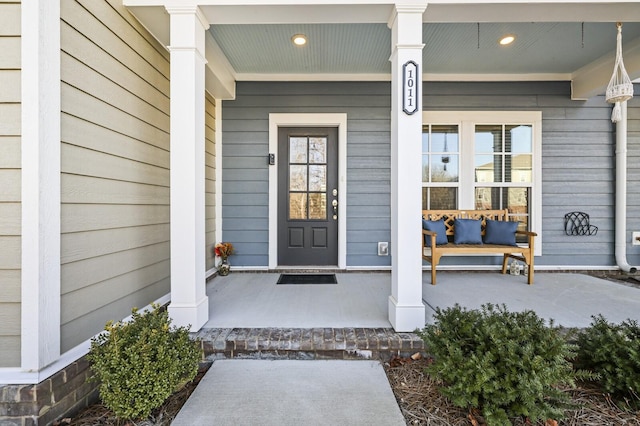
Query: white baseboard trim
{"points": [[210, 273], [554, 268], [428, 268]]}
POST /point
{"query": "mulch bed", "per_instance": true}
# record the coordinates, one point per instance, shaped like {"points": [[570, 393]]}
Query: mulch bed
{"points": [[421, 403], [417, 395], [99, 415]]}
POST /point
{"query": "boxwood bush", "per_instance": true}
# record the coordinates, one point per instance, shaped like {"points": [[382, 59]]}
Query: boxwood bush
{"points": [[504, 364], [140, 363], [612, 351]]}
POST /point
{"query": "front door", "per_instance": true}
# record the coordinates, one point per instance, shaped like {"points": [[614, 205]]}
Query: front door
{"points": [[308, 196]]}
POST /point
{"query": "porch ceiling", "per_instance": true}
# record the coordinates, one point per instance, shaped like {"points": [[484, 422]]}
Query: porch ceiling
{"points": [[572, 41]]}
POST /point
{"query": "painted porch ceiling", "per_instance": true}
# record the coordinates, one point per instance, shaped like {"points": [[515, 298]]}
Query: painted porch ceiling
{"points": [[551, 48], [568, 40]]}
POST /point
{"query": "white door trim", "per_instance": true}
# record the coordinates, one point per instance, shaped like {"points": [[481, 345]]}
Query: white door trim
{"points": [[310, 120]]}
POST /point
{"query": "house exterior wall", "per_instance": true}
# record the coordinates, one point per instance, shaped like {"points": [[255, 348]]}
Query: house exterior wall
{"points": [[245, 146], [578, 162], [115, 167], [633, 175], [210, 179], [10, 164]]}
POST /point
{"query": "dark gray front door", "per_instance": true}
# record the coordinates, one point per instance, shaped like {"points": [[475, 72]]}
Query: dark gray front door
{"points": [[308, 196]]}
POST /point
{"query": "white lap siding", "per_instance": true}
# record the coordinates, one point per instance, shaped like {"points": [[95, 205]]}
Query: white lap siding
{"points": [[115, 167], [10, 210], [210, 179]]}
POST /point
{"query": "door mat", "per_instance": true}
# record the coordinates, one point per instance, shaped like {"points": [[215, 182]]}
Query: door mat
{"points": [[307, 279]]}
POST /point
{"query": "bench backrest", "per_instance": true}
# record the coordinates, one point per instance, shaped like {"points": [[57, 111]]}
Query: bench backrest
{"points": [[450, 215]]}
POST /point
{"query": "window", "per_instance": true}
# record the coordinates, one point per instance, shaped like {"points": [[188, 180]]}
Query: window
{"points": [[483, 160], [440, 167]]}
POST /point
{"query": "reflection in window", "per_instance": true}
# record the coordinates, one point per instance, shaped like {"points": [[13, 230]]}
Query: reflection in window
{"points": [[307, 178], [440, 198], [440, 166], [318, 206], [297, 177], [297, 205], [515, 199], [297, 150], [504, 158], [318, 178], [317, 150], [503, 153]]}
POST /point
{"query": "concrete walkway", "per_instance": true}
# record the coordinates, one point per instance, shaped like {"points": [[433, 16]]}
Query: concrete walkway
{"points": [[259, 392]]}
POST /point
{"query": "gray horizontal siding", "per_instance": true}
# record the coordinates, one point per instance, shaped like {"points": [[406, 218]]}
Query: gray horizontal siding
{"points": [[578, 158], [10, 184], [578, 161], [115, 167], [245, 146], [633, 175]]}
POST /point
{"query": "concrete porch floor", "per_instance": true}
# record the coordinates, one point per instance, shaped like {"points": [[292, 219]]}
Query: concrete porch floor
{"points": [[253, 300]]}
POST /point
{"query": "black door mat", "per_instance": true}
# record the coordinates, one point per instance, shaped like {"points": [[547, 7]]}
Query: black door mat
{"points": [[307, 279]]}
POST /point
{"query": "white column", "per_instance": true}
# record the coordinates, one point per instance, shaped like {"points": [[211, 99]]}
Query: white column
{"points": [[189, 302], [40, 319], [406, 310]]}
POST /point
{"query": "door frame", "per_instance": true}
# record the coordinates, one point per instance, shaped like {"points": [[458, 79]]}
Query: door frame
{"points": [[338, 120]]}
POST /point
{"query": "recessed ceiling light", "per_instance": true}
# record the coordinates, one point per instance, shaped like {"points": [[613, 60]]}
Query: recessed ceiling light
{"points": [[508, 39], [299, 39]]}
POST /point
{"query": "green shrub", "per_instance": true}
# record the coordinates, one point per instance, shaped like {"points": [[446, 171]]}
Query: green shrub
{"points": [[505, 364], [612, 351], [141, 363]]}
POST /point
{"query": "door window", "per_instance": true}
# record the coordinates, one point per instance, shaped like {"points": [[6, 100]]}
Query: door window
{"points": [[307, 178]]}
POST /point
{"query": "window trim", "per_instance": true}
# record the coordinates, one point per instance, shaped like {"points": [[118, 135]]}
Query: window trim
{"points": [[467, 120]]}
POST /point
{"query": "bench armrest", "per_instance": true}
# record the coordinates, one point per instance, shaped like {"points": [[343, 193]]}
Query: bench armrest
{"points": [[432, 235], [530, 239]]}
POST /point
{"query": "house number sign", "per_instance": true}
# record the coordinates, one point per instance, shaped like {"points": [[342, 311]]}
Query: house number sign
{"points": [[410, 87]]}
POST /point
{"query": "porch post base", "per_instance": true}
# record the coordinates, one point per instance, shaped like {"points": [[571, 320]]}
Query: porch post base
{"points": [[406, 318], [187, 315]]}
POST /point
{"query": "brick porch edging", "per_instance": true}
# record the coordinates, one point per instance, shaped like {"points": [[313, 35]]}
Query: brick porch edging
{"points": [[67, 391], [307, 343]]}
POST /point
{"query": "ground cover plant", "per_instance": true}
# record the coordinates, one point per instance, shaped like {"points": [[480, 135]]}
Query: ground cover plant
{"points": [[140, 363], [418, 395], [506, 364], [613, 351]]}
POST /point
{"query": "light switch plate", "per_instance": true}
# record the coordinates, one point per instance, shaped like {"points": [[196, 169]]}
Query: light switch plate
{"points": [[383, 248]]}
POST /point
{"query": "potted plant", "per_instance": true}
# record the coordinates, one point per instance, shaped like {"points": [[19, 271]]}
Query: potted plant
{"points": [[223, 251]]}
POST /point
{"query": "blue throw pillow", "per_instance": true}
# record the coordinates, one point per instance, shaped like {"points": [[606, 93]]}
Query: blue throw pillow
{"points": [[500, 232], [467, 231], [439, 228]]}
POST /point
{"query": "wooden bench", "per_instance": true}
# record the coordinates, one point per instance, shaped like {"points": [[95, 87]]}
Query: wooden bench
{"points": [[435, 252]]}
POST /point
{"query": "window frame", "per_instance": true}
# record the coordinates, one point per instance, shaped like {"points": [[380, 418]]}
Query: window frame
{"points": [[466, 122]]}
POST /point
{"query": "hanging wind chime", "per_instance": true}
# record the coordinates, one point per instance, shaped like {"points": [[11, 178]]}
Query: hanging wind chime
{"points": [[445, 157], [620, 88]]}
